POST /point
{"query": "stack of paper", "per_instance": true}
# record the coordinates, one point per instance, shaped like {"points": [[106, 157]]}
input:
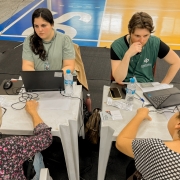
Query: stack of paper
{"points": [[146, 87]]}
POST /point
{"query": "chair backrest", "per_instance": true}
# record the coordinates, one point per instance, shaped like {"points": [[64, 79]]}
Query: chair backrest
{"points": [[79, 67], [44, 174]]}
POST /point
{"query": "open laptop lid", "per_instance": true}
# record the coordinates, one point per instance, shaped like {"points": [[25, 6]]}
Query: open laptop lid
{"points": [[35, 81], [172, 94]]}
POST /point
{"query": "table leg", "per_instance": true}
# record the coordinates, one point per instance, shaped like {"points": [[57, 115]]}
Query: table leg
{"points": [[69, 138], [106, 138]]}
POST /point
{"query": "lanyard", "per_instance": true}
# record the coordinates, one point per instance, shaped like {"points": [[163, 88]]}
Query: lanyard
{"points": [[46, 62]]}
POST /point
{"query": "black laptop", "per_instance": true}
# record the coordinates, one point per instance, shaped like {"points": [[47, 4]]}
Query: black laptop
{"points": [[164, 98], [35, 81]]}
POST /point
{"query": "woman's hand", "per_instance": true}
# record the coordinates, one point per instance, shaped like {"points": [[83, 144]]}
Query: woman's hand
{"points": [[31, 106], [134, 49], [143, 112]]}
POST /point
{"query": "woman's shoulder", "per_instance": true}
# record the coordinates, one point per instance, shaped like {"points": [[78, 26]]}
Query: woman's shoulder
{"points": [[61, 35], [63, 38], [154, 40], [139, 143], [27, 38], [173, 146]]}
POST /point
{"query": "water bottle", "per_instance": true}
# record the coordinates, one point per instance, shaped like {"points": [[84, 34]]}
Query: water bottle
{"points": [[68, 83], [130, 92], [88, 102]]}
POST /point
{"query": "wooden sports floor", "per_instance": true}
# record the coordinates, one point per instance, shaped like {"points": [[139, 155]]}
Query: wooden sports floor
{"points": [[92, 22], [165, 14]]}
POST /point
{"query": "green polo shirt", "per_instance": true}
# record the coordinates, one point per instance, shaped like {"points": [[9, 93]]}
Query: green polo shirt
{"points": [[59, 49], [140, 65]]}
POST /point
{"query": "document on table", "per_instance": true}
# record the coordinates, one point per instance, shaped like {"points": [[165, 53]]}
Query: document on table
{"points": [[146, 87], [111, 115], [53, 100], [169, 112]]}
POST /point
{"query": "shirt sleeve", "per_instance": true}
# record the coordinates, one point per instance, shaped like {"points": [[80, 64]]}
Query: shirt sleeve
{"points": [[163, 50], [68, 49], [113, 55], [27, 53], [21, 147]]}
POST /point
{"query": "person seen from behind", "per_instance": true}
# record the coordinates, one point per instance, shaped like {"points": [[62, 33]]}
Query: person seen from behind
{"points": [[15, 150], [154, 158]]}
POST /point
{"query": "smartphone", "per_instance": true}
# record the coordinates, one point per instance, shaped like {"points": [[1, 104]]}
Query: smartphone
{"points": [[115, 93]]}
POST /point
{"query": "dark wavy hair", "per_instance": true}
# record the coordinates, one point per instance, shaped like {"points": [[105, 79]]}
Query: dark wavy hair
{"points": [[36, 43], [141, 20]]}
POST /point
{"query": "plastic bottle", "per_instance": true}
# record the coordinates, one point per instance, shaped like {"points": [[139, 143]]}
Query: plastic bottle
{"points": [[68, 83], [130, 92], [88, 102]]}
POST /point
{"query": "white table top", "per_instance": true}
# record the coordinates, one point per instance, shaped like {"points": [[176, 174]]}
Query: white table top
{"points": [[157, 128], [19, 121]]}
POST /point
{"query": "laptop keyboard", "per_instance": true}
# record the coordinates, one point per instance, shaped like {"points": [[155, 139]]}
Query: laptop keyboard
{"points": [[158, 100]]}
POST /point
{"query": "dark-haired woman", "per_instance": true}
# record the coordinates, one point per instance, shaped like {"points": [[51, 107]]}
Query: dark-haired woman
{"points": [[46, 48], [154, 159]]}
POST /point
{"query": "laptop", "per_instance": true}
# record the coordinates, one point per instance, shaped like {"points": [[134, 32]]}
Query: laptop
{"points": [[35, 81], [163, 98]]}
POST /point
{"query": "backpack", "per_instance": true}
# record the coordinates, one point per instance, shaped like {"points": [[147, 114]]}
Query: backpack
{"points": [[92, 127]]}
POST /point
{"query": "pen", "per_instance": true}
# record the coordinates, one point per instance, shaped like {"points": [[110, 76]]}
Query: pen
{"points": [[139, 97]]}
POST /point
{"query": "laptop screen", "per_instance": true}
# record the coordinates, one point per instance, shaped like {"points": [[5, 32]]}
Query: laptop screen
{"points": [[34, 81]]}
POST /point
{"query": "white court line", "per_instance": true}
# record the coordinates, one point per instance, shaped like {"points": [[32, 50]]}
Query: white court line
{"points": [[100, 32], [5, 29], [143, 9], [88, 40]]}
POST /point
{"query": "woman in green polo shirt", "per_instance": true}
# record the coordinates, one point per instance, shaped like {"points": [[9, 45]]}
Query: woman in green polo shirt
{"points": [[135, 54], [46, 48]]}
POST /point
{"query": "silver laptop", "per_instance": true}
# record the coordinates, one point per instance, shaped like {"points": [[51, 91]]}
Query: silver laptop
{"points": [[35, 81], [164, 98]]}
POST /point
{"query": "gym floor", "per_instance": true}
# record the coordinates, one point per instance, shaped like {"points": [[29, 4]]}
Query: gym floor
{"points": [[91, 22]]}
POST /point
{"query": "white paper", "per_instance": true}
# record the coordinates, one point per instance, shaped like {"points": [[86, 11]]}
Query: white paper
{"points": [[169, 112], [120, 104], [154, 86], [53, 100], [116, 115], [105, 116]]}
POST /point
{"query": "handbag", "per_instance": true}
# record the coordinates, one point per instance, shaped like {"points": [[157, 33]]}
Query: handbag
{"points": [[131, 172], [135, 176], [28, 168], [92, 127], [33, 166]]}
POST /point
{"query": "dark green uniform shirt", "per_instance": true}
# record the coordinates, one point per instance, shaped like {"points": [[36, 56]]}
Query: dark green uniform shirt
{"points": [[140, 65]]}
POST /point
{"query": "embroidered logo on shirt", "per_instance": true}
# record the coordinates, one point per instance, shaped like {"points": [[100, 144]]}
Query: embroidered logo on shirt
{"points": [[147, 64], [146, 60]]}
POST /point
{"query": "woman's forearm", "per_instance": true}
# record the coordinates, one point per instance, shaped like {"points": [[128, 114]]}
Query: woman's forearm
{"points": [[131, 128], [36, 119], [173, 69], [122, 70]]}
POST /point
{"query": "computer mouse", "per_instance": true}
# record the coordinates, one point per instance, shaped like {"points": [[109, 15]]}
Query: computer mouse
{"points": [[7, 84]]}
